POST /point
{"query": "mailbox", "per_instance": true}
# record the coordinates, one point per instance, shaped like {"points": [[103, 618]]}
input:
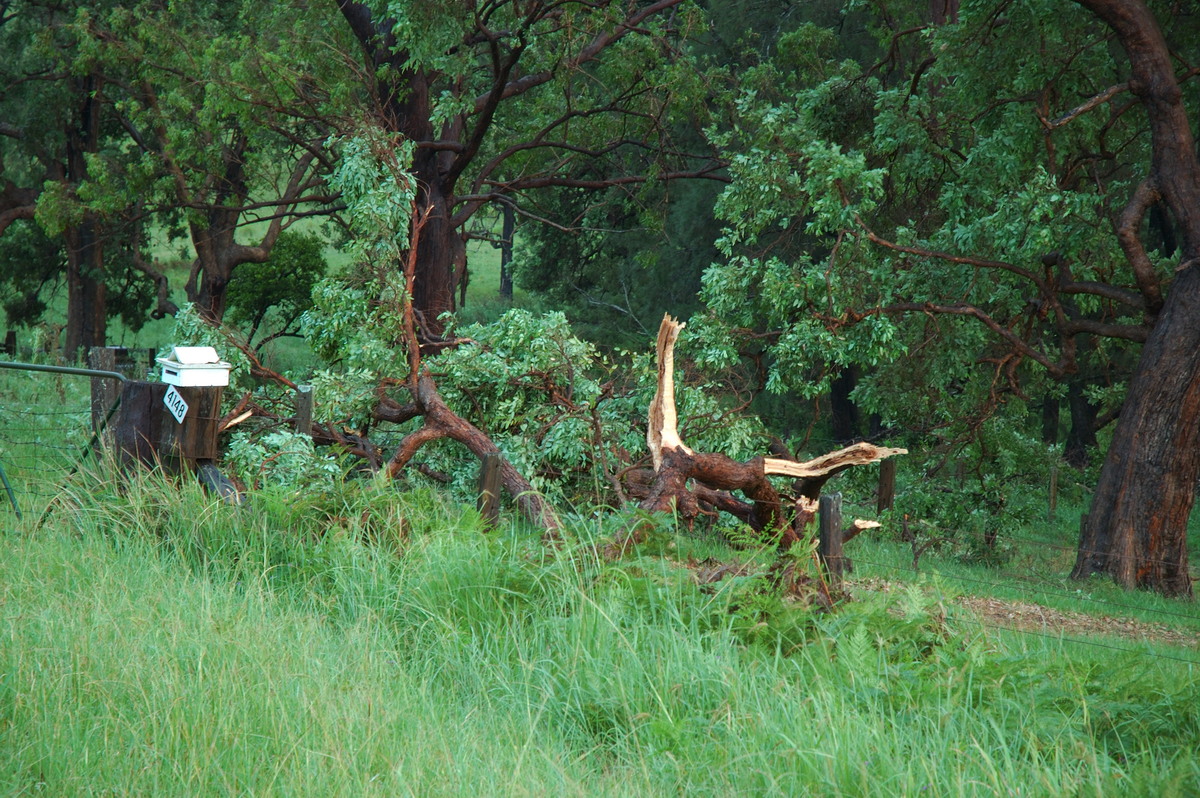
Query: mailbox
{"points": [[194, 366]]}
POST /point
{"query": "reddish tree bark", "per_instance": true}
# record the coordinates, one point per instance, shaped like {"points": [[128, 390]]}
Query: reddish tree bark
{"points": [[687, 482], [87, 305], [1136, 530], [442, 422]]}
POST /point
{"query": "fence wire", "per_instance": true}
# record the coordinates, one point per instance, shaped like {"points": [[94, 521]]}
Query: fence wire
{"points": [[45, 432]]}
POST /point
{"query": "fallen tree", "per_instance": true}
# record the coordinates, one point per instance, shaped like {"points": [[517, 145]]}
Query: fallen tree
{"points": [[691, 484], [685, 482]]}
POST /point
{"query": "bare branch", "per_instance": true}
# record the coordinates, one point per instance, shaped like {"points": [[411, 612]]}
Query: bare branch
{"points": [[1018, 344], [1089, 104]]}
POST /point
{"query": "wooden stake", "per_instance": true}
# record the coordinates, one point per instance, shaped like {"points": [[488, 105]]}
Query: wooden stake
{"points": [[304, 409], [104, 390], [829, 544], [488, 502], [1053, 491]]}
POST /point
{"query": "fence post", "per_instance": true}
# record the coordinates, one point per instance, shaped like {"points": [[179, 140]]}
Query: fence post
{"points": [[304, 409], [10, 343], [829, 543], [104, 391], [887, 485], [182, 443], [488, 503]]}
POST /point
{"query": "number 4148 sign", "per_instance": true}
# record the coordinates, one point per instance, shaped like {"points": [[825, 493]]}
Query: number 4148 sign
{"points": [[175, 404]]}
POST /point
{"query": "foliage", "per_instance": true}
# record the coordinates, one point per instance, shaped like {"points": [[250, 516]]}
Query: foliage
{"points": [[282, 284], [905, 213], [625, 261], [30, 261], [280, 459], [191, 329], [563, 414]]}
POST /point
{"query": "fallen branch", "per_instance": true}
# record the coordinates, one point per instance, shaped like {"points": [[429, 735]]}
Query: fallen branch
{"points": [[691, 483], [442, 422]]}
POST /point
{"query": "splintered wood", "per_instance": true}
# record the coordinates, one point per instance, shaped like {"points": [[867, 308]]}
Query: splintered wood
{"points": [[692, 483]]}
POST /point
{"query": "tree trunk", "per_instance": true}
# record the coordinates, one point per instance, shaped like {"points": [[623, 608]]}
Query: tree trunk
{"points": [[1136, 530], [1081, 437], [441, 255], [212, 270], [1050, 415], [685, 481], [404, 97], [506, 251], [1137, 526], [87, 308], [844, 416], [218, 252], [87, 299]]}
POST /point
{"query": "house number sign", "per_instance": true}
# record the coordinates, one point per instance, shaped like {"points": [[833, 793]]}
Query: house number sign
{"points": [[175, 404]]}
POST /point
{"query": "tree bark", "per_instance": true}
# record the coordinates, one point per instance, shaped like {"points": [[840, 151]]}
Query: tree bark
{"points": [[844, 416], [218, 252], [506, 251], [87, 306], [1081, 437], [404, 97], [1136, 529], [442, 422], [87, 299]]}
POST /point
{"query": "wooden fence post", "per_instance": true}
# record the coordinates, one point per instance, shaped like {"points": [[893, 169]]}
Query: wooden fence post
{"points": [[10, 343], [133, 363], [104, 391], [304, 409], [489, 490], [182, 443], [887, 485], [829, 544]]}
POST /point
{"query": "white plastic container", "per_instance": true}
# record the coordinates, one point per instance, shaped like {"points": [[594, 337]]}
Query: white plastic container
{"points": [[194, 366]]}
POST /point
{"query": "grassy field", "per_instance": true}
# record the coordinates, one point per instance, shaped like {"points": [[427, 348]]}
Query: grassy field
{"points": [[375, 641], [372, 642]]}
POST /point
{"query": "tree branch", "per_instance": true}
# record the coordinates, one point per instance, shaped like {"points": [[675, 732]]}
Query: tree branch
{"points": [[1129, 237]]}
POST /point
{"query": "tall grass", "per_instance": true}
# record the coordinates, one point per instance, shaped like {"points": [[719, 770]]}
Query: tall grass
{"points": [[372, 642]]}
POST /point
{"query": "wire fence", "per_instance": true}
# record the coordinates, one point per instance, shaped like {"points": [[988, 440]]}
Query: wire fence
{"points": [[49, 414], [45, 433]]}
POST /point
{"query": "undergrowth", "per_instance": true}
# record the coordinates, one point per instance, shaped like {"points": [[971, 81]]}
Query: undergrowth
{"points": [[359, 640]]}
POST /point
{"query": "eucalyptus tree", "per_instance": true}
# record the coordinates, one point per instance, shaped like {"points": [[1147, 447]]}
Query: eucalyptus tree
{"points": [[133, 126], [227, 110], [53, 126], [1137, 527], [504, 98], [957, 217]]}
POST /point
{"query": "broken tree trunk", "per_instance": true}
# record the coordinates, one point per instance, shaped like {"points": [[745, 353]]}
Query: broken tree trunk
{"points": [[713, 476], [442, 422]]}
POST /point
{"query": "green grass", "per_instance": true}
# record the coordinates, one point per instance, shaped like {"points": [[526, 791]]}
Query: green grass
{"points": [[373, 642]]}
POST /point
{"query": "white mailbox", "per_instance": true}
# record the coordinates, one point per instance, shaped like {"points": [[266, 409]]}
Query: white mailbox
{"points": [[194, 366]]}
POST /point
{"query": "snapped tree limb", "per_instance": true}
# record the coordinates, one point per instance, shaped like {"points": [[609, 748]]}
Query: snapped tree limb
{"points": [[712, 475]]}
